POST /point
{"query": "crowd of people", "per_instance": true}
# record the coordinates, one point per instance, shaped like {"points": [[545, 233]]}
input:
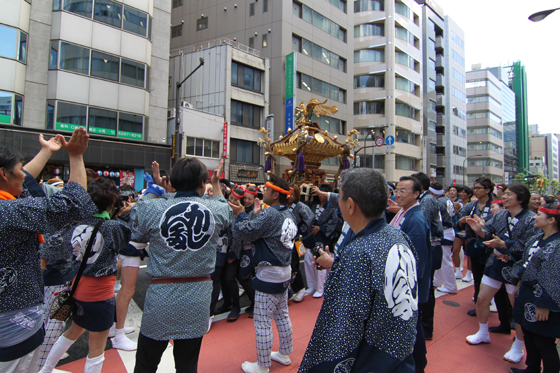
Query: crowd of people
{"points": [[376, 252]]}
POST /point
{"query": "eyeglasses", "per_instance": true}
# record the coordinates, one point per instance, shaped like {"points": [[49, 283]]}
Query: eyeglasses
{"points": [[265, 188], [479, 187], [401, 191]]}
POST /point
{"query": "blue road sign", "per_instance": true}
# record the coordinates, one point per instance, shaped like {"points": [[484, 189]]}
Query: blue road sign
{"points": [[390, 140]]}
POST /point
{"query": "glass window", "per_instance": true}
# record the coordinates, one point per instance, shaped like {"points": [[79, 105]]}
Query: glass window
{"points": [[8, 40], [296, 9], [431, 64], [431, 44], [135, 21], [130, 126], [401, 33], [402, 9], [369, 55], [265, 6], [105, 66], [335, 60], [369, 30], [257, 81], [103, 122], [248, 78], [405, 111], [190, 145], [369, 107], [132, 72], [306, 82], [404, 84], [198, 147], [216, 149], [80, 7], [265, 40], [108, 12], [177, 3], [5, 107], [70, 116], [342, 65], [207, 148], [22, 51], [368, 5], [251, 42], [321, 21], [307, 13], [50, 114], [18, 110], [74, 58], [150, 27], [251, 9], [296, 43], [54, 55], [177, 31], [244, 151], [307, 47], [369, 81], [234, 73]]}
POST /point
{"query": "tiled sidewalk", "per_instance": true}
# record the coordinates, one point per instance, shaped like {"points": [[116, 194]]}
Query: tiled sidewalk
{"points": [[228, 345]]}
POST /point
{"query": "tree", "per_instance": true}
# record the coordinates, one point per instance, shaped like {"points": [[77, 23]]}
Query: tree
{"points": [[555, 184]]}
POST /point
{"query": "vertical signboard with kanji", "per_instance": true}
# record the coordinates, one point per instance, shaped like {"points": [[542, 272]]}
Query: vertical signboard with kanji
{"points": [[225, 141], [290, 90]]}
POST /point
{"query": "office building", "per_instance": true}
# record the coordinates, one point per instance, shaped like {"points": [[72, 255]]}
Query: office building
{"points": [[388, 97], [518, 83], [509, 121], [485, 149], [545, 147], [97, 64], [455, 104], [318, 33], [433, 90], [232, 85]]}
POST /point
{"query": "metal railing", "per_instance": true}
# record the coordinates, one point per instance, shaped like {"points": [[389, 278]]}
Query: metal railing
{"points": [[218, 42]]}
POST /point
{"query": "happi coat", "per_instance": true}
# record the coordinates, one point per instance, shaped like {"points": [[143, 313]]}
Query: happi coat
{"points": [[183, 232], [368, 319], [539, 271], [515, 231]]}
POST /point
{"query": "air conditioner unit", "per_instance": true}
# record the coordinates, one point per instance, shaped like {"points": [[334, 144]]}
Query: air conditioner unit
{"points": [[187, 105], [171, 113]]}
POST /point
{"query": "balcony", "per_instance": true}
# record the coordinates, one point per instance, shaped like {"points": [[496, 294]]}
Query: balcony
{"points": [[441, 139], [440, 100], [440, 120], [440, 81]]}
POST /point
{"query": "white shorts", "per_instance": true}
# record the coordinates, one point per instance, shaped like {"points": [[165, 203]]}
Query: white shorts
{"points": [[130, 261], [497, 284]]}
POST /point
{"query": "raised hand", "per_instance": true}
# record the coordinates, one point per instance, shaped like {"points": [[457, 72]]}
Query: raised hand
{"points": [[476, 223], [53, 144], [217, 172], [392, 206], [78, 143], [495, 242], [155, 172]]}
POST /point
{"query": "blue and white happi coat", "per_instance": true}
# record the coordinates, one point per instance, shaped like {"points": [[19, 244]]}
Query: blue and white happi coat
{"points": [[370, 308], [183, 233]]}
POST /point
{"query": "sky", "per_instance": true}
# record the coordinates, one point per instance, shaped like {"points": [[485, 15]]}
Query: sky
{"points": [[498, 32]]}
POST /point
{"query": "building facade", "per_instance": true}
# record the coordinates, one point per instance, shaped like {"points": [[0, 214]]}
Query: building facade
{"points": [[232, 84], [518, 83], [455, 104], [485, 142], [316, 33], [433, 90], [97, 64], [388, 96], [545, 147]]}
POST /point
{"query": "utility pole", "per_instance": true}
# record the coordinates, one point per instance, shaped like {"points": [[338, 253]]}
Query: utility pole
{"points": [[179, 136]]}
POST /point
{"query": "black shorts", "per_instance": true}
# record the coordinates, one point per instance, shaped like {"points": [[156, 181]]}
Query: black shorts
{"points": [[95, 316]]}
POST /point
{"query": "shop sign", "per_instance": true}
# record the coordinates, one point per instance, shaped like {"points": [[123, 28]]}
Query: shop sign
{"points": [[67, 126], [102, 131], [127, 178], [130, 135]]}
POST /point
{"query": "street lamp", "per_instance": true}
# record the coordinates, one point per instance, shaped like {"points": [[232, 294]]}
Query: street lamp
{"points": [[539, 16], [372, 133], [178, 136], [476, 155]]}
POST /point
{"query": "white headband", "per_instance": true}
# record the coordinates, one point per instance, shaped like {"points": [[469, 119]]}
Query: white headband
{"points": [[57, 183], [437, 192]]}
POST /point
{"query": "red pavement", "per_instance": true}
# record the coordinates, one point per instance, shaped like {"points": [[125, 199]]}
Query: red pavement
{"points": [[228, 345]]}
